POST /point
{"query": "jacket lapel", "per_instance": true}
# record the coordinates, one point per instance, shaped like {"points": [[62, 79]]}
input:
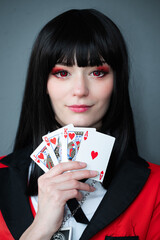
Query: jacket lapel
{"points": [[123, 189], [14, 203]]}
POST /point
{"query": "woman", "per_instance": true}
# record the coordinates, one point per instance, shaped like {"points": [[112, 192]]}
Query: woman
{"points": [[78, 73]]}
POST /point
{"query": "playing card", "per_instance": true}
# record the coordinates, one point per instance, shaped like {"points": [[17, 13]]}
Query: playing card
{"points": [[95, 151], [42, 157], [53, 142], [72, 141]]}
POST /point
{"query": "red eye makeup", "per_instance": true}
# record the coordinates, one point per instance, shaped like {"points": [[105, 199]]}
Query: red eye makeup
{"points": [[101, 71], [104, 68], [59, 72]]}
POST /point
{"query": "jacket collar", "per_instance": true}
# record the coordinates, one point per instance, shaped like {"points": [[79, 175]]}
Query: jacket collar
{"points": [[15, 203], [124, 188]]}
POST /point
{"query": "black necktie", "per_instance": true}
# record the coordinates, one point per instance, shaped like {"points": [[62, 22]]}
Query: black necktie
{"points": [[79, 215]]}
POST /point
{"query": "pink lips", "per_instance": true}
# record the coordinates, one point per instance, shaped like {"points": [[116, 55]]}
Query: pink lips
{"points": [[79, 108]]}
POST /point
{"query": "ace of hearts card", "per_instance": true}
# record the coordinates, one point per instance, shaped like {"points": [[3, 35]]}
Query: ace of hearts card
{"points": [[96, 151]]}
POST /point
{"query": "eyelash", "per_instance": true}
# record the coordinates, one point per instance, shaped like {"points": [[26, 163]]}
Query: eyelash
{"points": [[64, 73], [58, 73], [101, 73]]}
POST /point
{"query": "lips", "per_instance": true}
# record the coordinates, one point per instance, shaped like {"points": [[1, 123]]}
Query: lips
{"points": [[79, 108]]}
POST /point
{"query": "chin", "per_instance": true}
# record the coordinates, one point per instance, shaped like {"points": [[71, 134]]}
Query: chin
{"points": [[83, 123], [78, 123]]}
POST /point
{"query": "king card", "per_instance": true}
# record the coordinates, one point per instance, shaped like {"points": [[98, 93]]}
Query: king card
{"points": [[96, 151], [72, 141]]}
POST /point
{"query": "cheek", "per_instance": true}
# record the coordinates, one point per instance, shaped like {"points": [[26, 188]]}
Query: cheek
{"points": [[54, 91], [105, 91]]}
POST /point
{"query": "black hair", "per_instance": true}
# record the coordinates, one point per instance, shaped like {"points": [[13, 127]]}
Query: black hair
{"points": [[91, 38]]}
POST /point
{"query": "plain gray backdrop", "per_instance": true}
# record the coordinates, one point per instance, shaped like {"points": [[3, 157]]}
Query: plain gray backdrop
{"points": [[139, 22]]}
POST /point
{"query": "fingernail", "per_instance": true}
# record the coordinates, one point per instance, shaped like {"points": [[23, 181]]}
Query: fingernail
{"points": [[94, 173], [83, 164]]}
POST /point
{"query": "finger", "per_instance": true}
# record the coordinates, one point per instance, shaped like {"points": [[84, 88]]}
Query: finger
{"points": [[66, 166], [74, 184], [78, 175], [74, 193]]}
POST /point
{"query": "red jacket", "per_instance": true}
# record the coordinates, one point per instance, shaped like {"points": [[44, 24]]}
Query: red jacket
{"points": [[129, 210]]}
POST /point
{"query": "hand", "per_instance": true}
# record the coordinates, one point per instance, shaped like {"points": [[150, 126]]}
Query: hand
{"points": [[55, 188]]}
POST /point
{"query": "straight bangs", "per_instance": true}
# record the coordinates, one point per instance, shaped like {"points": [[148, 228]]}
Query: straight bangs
{"points": [[81, 39]]}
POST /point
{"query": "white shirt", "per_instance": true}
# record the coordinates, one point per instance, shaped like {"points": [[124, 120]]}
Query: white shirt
{"points": [[89, 209]]}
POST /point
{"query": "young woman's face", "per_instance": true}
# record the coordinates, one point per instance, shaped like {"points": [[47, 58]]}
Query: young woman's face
{"points": [[80, 95]]}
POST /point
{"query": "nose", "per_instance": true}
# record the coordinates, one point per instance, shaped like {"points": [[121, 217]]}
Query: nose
{"points": [[81, 88]]}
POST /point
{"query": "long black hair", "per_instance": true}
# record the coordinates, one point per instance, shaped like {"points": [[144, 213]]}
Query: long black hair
{"points": [[91, 38]]}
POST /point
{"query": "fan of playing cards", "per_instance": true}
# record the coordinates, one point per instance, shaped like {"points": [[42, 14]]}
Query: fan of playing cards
{"points": [[71, 143]]}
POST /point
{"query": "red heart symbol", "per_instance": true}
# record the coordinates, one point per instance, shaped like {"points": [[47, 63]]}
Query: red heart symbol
{"points": [[71, 135], [94, 154], [78, 143], [41, 156], [86, 136], [101, 175], [38, 161], [53, 140], [48, 144]]}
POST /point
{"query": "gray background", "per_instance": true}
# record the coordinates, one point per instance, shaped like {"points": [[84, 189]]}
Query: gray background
{"points": [[139, 21]]}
